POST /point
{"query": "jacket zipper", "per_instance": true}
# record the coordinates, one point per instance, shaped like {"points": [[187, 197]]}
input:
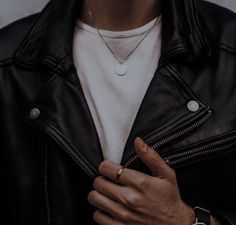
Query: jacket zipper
{"points": [[45, 180], [208, 149], [171, 138]]}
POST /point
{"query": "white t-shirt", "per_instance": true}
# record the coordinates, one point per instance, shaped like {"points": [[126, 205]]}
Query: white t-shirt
{"points": [[115, 100]]}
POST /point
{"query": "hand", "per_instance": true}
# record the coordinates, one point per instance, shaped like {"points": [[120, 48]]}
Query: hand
{"points": [[139, 199]]}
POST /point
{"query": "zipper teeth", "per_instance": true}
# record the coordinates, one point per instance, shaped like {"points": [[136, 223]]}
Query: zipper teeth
{"points": [[49, 213], [172, 137], [200, 149], [183, 132], [194, 155]]}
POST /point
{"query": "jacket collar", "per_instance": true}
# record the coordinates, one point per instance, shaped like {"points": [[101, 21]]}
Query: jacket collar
{"points": [[51, 36]]}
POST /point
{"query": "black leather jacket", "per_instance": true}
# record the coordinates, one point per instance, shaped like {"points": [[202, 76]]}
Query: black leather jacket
{"points": [[50, 155]]}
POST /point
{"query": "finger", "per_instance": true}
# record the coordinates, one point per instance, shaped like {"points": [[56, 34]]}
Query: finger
{"points": [[103, 219], [126, 196], [128, 177], [110, 189], [152, 159], [109, 206]]}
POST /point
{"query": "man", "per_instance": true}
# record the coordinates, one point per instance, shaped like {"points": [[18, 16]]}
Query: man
{"points": [[119, 112]]}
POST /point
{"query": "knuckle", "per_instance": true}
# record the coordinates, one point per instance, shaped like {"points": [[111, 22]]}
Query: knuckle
{"points": [[141, 182], [103, 166], [129, 218], [124, 215], [132, 200]]}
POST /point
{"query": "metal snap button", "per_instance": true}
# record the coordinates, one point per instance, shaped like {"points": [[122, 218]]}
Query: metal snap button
{"points": [[193, 106], [34, 113]]}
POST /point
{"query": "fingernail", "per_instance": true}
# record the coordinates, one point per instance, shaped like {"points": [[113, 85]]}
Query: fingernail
{"points": [[143, 145]]}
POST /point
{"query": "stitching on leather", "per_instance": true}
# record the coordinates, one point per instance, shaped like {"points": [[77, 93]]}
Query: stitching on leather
{"points": [[177, 47], [232, 221], [44, 90], [50, 127], [6, 61], [177, 76], [175, 50], [197, 33], [35, 25], [170, 124], [167, 125], [226, 47], [181, 83], [62, 61], [205, 141], [52, 81], [212, 156]]}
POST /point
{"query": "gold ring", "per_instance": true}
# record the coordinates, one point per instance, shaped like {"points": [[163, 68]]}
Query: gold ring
{"points": [[118, 175]]}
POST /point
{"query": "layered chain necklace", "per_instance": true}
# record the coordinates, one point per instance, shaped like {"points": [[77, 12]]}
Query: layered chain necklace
{"points": [[121, 68]]}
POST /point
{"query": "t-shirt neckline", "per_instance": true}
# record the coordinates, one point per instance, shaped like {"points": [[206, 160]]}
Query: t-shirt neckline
{"points": [[120, 34]]}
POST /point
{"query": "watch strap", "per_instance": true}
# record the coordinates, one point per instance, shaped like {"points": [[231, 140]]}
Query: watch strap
{"points": [[203, 216]]}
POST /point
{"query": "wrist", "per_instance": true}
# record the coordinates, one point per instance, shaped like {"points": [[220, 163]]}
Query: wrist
{"points": [[215, 221], [190, 217]]}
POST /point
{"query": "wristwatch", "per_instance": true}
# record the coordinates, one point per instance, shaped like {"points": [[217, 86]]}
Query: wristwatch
{"points": [[203, 216]]}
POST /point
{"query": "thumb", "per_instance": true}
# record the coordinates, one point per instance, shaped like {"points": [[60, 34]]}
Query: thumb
{"points": [[152, 159]]}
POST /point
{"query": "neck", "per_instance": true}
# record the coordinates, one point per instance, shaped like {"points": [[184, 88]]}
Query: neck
{"points": [[118, 15]]}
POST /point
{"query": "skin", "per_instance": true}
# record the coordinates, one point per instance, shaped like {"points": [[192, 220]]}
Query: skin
{"points": [[139, 199], [120, 15]]}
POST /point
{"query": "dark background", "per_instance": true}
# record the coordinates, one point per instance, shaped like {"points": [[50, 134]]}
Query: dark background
{"points": [[11, 10]]}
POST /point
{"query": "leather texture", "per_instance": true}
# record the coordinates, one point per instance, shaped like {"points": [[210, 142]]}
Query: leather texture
{"points": [[48, 161]]}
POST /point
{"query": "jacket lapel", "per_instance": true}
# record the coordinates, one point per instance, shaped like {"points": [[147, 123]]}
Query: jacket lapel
{"points": [[165, 109], [65, 117]]}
